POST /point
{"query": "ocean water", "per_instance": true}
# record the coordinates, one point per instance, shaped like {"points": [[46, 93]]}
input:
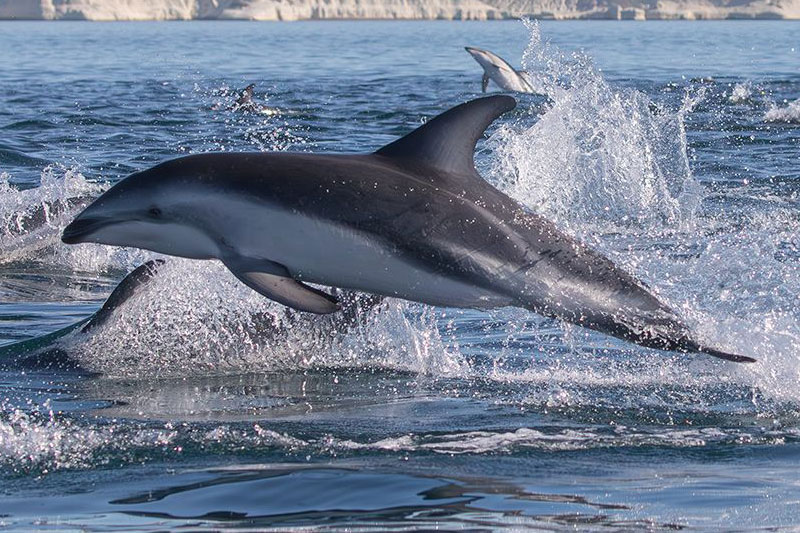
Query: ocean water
{"points": [[672, 147]]}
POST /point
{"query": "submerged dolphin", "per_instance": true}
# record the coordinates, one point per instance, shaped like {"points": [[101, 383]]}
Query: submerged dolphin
{"points": [[47, 351], [498, 70], [413, 220], [44, 351]]}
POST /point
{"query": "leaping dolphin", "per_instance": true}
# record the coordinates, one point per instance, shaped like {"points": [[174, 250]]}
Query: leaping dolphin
{"points": [[498, 70], [412, 220]]}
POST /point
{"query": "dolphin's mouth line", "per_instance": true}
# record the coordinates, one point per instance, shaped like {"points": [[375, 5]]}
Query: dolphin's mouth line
{"points": [[79, 229]]}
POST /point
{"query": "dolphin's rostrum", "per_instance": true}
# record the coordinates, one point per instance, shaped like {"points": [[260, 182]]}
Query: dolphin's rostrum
{"points": [[413, 220]]}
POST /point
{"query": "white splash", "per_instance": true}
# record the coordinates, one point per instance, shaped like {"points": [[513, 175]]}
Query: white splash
{"points": [[741, 92], [611, 167], [210, 323], [599, 155], [790, 113], [32, 219]]}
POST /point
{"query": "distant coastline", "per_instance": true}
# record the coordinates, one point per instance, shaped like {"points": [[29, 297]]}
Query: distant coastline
{"points": [[292, 10]]}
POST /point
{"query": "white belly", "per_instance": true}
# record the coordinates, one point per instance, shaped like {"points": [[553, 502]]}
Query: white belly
{"points": [[321, 252]]}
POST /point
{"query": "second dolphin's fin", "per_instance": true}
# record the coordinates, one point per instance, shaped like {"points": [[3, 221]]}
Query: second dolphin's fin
{"points": [[484, 82], [447, 142], [123, 292], [274, 281]]}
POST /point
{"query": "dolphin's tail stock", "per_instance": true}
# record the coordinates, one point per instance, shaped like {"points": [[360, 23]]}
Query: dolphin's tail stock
{"points": [[672, 335], [681, 343], [688, 345], [661, 330]]}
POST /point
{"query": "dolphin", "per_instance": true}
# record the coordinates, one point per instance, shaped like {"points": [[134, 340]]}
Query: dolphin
{"points": [[44, 351], [246, 96], [412, 220], [244, 102], [48, 351], [498, 70]]}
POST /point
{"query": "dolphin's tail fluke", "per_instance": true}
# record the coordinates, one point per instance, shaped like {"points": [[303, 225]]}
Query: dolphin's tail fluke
{"points": [[693, 346]]}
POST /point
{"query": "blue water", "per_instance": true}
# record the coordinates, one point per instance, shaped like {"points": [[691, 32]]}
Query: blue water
{"points": [[672, 147]]}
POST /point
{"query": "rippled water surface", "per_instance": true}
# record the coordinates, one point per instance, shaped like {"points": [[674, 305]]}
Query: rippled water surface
{"points": [[674, 148]]}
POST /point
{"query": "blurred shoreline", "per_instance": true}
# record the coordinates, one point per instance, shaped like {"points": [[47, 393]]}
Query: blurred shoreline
{"points": [[291, 10]]}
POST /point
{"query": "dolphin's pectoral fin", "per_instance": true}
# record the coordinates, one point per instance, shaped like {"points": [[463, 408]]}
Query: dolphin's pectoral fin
{"points": [[290, 292], [447, 142], [484, 82], [274, 281]]}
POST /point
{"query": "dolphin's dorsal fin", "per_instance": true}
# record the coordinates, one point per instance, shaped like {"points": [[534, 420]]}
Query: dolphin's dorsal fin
{"points": [[447, 142]]}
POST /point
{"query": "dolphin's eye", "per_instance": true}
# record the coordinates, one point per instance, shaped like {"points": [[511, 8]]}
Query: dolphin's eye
{"points": [[154, 212]]}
